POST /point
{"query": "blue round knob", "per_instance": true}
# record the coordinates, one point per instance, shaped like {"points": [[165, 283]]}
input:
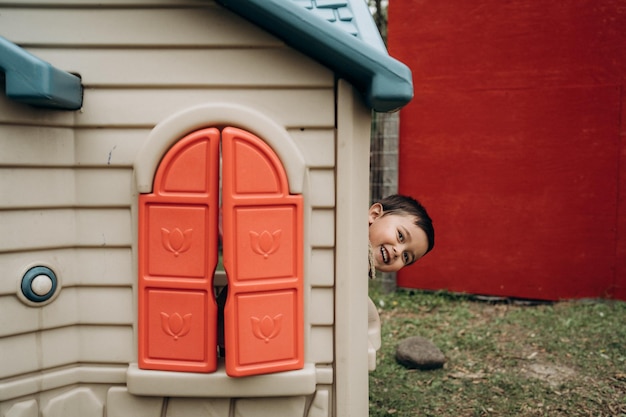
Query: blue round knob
{"points": [[39, 284]]}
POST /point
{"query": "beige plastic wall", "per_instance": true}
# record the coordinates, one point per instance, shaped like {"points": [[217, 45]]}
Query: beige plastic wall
{"points": [[69, 183]]}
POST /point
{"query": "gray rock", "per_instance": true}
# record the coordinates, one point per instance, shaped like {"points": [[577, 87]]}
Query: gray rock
{"points": [[419, 353]]}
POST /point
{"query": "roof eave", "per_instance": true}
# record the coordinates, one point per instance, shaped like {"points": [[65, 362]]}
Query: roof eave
{"points": [[33, 81]]}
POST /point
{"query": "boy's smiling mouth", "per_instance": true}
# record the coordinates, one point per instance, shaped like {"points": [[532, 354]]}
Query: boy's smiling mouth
{"points": [[384, 254]]}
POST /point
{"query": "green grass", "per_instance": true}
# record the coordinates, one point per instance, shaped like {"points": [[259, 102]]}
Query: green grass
{"points": [[502, 359]]}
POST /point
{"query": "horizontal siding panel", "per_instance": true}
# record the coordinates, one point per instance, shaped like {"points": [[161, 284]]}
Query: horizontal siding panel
{"points": [[27, 361], [145, 108], [61, 378], [190, 67], [99, 344], [34, 229], [108, 344], [75, 305], [60, 347], [65, 346], [103, 227], [322, 228], [64, 187], [16, 317], [208, 25], [109, 147], [106, 306], [89, 305], [322, 306], [64, 147], [321, 345], [118, 147], [100, 267], [38, 146], [317, 146], [15, 113], [103, 187], [322, 188], [322, 267], [32, 187], [57, 228]]}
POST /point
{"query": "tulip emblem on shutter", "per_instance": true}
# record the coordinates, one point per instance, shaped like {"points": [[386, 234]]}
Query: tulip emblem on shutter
{"points": [[176, 325], [265, 243], [176, 241], [266, 328]]}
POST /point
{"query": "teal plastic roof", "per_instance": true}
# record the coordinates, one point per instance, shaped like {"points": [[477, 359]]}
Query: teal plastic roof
{"points": [[351, 16], [337, 34], [30, 80]]}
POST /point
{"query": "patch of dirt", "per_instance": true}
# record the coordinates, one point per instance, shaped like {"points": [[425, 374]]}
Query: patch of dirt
{"points": [[514, 342], [531, 358], [554, 375]]}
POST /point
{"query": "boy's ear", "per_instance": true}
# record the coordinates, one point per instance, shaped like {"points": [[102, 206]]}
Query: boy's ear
{"points": [[375, 212]]}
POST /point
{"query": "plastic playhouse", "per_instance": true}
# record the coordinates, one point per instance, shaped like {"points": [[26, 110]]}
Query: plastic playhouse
{"points": [[184, 207]]}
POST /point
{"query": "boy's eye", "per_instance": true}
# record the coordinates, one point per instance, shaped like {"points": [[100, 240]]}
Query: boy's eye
{"points": [[405, 257], [400, 236]]}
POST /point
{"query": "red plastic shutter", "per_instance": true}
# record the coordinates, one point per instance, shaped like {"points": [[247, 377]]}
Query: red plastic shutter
{"points": [[263, 259], [177, 319]]}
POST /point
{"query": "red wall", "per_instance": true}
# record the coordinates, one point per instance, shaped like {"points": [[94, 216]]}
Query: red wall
{"points": [[516, 143]]}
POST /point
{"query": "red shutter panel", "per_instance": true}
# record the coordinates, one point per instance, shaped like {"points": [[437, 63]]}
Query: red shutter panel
{"points": [[262, 245], [177, 319]]}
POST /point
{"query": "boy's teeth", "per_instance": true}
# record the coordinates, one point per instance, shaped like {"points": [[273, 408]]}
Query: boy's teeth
{"points": [[383, 252]]}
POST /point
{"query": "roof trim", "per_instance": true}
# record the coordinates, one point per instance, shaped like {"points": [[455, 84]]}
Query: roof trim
{"points": [[33, 81], [385, 83]]}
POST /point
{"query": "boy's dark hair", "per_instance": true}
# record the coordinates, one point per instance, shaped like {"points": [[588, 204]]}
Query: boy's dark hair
{"points": [[403, 204]]}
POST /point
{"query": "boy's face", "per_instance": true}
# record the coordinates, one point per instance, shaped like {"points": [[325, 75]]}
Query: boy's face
{"points": [[395, 238]]}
